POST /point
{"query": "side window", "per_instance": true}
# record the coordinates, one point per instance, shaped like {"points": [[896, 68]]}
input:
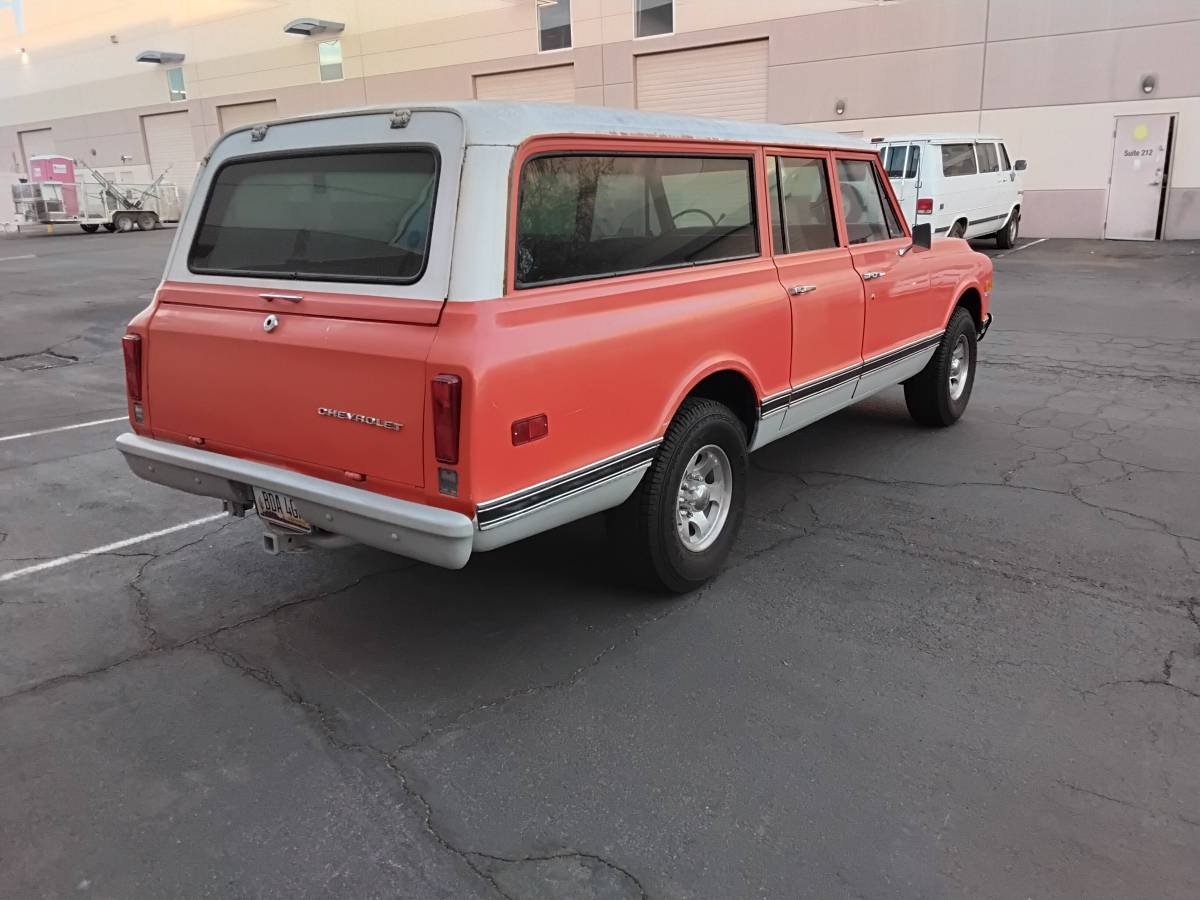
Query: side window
{"points": [[914, 161], [894, 162], [775, 201], [584, 216], [958, 159], [803, 196], [988, 161], [1004, 162], [866, 220], [889, 213]]}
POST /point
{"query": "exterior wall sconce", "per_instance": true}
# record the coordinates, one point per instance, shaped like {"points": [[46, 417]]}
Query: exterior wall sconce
{"points": [[1148, 84], [307, 27], [160, 57], [840, 107]]}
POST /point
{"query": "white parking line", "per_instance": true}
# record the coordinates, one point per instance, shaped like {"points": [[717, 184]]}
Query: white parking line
{"points": [[1022, 247], [28, 434], [22, 256], [107, 548]]}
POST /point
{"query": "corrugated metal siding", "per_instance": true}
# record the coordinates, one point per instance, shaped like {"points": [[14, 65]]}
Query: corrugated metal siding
{"points": [[239, 114], [36, 143], [554, 84], [169, 143], [729, 81]]}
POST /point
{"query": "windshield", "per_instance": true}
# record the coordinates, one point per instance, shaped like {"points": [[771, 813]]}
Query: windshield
{"points": [[337, 216]]}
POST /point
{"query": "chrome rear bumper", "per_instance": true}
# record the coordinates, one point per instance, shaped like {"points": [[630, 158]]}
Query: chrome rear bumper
{"points": [[433, 535]]}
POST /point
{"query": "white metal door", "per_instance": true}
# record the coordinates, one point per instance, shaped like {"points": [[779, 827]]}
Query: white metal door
{"points": [[729, 81], [35, 143], [1135, 190], [170, 148], [552, 84], [237, 115]]}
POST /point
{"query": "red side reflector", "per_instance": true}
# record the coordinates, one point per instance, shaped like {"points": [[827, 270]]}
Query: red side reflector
{"points": [[526, 430], [446, 391], [131, 346], [925, 205]]}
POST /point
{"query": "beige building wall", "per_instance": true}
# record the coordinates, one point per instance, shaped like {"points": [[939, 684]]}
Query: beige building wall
{"points": [[1048, 75]]}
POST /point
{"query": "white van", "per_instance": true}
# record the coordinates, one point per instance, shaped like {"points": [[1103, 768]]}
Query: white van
{"points": [[964, 185]]}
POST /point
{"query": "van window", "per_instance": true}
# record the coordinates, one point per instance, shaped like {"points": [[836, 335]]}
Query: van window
{"points": [[869, 216], [592, 216], [1004, 162], [958, 159], [800, 197], [894, 161], [914, 161], [344, 216], [988, 161]]}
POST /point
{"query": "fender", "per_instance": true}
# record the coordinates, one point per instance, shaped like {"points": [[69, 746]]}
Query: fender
{"points": [[703, 370]]}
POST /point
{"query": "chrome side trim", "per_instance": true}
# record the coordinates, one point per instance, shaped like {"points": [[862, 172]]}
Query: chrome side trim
{"points": [[494, 512]]}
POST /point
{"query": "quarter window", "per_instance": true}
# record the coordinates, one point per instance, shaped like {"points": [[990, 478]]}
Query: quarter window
{"points": [[176, 90], [869, 215], [958, 159], [585, 216], [988, 161], [329, 57], [554, 24], [801, 211], [653, 17]]}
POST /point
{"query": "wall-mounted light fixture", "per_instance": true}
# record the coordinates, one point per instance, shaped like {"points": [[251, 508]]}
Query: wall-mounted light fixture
{"points": [[308, 27], [161, 57], [24, 54], [840, 107], [1148, 84]]}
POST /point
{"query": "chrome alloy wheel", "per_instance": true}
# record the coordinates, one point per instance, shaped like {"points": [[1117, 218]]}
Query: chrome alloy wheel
{"points": [[705, 495], [960, 367]]}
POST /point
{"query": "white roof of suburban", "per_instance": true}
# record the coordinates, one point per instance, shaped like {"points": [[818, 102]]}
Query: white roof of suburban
{"points": [[939, 137], [511, 123]]}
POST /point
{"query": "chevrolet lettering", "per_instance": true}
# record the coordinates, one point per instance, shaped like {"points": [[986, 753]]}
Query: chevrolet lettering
{"points": [[573, 310]]}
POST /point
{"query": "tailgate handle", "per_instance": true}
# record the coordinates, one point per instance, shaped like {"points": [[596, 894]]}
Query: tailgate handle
{"points": [[294, 298]]}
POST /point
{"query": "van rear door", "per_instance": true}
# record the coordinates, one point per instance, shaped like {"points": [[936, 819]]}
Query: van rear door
{"points": [[303, 294]]}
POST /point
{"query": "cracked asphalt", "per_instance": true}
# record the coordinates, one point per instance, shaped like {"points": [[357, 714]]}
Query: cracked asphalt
{"points": [[959, 663]]}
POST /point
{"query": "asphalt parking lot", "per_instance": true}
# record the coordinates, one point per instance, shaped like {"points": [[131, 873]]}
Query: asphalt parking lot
{"points": [[960, 663]]}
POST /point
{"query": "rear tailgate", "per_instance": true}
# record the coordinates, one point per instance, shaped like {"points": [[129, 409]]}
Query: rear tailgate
{"points": [[303, 293]]}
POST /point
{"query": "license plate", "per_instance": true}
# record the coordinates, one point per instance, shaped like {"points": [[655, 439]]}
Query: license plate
{"points": [[280, 509]]}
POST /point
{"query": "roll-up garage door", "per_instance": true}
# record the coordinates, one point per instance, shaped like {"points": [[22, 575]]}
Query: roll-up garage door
{"points": [[169, 143], [240, 114], [35, 143], [729, 81], [554, 84]]}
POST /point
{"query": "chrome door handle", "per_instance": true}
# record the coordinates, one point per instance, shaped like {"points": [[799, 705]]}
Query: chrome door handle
{"points": [[294, 298], [802, 288], [871, 276]]}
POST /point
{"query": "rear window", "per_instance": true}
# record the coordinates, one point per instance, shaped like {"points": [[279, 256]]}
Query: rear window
{"points": [[361, 216], [585, 216], [958, 159], [893, 161]]}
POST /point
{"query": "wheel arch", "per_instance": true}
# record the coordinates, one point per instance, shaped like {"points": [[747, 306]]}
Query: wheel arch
{"points": [[729, 383], [971, 300]]}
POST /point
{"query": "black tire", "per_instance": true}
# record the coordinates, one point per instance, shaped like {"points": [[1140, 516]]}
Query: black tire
{"points": [[147, 221], [958, 229], [929, 394], [90, 229], [123, 222], [110, 227], [1006, 237], [644, 529]]}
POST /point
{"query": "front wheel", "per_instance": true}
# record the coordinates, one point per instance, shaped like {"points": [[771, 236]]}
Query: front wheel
{"points": [[677, 529], [89, 229], [939, 393], [1006, 237]]}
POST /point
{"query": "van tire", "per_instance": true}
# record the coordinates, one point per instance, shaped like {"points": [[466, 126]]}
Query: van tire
{"points": [[645, 530], [123, 222], [933, 399], [1006, 237]]}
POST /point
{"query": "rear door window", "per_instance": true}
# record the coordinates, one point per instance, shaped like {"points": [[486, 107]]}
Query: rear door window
{"points": [[344, 216], [958, 159], [801, 208], [914, 161], [988, 160], [894, 161], [586, 216]]}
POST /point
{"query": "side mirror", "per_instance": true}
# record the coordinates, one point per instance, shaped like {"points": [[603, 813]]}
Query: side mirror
{"points": [[922, 235], [1020, 165]]}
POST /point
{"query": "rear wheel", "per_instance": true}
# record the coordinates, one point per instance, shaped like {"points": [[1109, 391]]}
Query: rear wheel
{"points": [[123, 222], [958, 229], [1006, 237], [147, 221], [110, 227], [90, 229], [677, 529], [938, 395]]}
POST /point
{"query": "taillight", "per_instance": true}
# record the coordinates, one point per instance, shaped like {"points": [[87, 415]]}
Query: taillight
{"points": [[446, 391], [131, 345], [925, 205]]}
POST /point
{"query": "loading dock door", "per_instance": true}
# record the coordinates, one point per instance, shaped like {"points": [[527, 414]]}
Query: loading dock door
{"points": [[729, 81], [35, 143], [553, 84], [170, 148], [237, 115], [1137, 186]]}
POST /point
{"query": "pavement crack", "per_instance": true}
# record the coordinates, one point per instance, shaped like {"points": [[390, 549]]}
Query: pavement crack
{"points": [[1152, 682], [632, 879], [1128, 804]]}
